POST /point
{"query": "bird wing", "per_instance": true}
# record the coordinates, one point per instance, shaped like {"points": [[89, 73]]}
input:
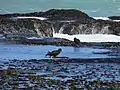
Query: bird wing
{"points": [[54, 52]]}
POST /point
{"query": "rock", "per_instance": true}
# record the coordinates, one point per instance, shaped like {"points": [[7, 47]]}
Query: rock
{"points": [[114, 17], [11, 28], [65, 21], [54, 14], [91, 27], [48, 41], [66, 14]]}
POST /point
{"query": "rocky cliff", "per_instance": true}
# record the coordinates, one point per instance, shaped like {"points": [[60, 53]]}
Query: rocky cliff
{"points": [[57, 21], [92, 27], [25, 28]]}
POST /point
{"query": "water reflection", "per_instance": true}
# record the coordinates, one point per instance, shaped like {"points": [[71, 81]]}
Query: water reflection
{"points": [[76, 49]]}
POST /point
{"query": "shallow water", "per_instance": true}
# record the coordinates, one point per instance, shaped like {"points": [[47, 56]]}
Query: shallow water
{"points": [[13, 51]]}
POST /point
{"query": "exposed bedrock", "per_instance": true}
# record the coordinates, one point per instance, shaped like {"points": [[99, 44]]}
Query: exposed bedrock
{"points": [[58, 21], [92, 27], [49, 41], [12, 28], [55, 14]]}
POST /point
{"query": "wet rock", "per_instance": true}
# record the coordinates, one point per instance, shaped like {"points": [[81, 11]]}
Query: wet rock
{"points": [[18, 29], [66, 14], [55, 14], [114, 17], [47, 41], [65, 21]]}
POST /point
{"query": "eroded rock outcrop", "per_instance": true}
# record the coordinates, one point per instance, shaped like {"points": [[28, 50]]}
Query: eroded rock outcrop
{"points": [[55, 14], [58, 21], [12, 28]]}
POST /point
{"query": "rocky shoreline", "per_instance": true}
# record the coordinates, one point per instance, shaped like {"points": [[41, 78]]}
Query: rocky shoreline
{"points": [[60, 73], [61, 42], [46, 41], [41, 74], [63, 21]]}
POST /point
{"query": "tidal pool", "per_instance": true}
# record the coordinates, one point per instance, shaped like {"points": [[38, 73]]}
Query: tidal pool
{"points": [[21, 52]]}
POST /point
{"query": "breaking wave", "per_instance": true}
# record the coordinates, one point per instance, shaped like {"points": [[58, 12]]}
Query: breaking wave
{"points": [[105, 18], [90, 38]]}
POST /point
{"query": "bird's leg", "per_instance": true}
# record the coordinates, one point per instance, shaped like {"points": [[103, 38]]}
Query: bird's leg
{"points": [[62, 53], [54, 56], [50, 56]]}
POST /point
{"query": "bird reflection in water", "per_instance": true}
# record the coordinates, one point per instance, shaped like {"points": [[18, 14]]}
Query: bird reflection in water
{"points": [[76, 49]]}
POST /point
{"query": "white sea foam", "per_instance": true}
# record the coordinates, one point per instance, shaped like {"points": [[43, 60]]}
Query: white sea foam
{"points": [[90, 38], [43, 18], [34, 38], [40, 18], [87, 38], [103, 18], [116, 20]]}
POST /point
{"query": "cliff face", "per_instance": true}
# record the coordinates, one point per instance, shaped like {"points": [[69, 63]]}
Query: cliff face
{"points": [[91, 27], [79, 28], [58, 21], [12, 28]]}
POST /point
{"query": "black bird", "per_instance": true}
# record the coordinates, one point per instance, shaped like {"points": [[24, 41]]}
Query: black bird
{"points": [[76, 41], [54, 53]]}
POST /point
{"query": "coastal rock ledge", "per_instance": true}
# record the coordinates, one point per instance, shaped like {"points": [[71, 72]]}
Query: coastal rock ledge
{"points": [[65, 21]]}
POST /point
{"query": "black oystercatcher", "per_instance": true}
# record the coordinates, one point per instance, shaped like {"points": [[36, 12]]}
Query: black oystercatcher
{"points": [[77, 41], [54, 53]]}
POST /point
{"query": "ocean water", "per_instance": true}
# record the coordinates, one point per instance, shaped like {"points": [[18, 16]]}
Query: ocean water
{"points": [[96, 8]]}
